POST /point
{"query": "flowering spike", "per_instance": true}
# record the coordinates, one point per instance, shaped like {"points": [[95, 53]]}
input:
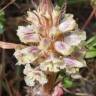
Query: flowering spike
{"points": [[50, 45]]}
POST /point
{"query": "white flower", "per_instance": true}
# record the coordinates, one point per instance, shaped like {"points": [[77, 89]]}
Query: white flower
{"points": [[29, 80], [28, 69], [52, 64], [33, 75], [28, 34], [27, 55], [72, 65], [74, 39], [68, 24], [63, 48]]}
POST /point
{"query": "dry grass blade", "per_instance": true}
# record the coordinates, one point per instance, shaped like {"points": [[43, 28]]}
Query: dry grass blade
{"points": [[11, 2], [5, 45]]}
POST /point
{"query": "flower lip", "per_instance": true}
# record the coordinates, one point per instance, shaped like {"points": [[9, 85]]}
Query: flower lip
{"points": [[27, 55], [28, 34], [74, 63], [67, 24], [33, 75], [63, 48]]}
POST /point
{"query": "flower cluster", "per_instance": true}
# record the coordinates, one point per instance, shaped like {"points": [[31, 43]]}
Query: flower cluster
{"points": [[50, 44]]}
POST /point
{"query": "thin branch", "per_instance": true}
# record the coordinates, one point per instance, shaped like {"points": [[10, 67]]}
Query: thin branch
{"points": [[89, 18], [9, 90], [12, 1]]}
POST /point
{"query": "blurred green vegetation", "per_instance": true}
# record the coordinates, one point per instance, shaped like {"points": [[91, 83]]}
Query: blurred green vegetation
{"points": [[2, 21], [68, 83], [91, 47], [71, 2]]}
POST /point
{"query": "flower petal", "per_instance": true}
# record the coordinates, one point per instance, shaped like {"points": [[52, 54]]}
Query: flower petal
{"points": [[27, 69], [76, 76], [75, 38], [33, 18], [58, 91], [67, 24], [33, 75], [63, 48], [28, 34], [27, 55], [74, 63], [29, 81], [52, 64]]}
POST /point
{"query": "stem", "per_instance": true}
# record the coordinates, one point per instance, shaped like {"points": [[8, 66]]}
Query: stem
{"points": [[12, 1], [51, 82], [89, 18]]}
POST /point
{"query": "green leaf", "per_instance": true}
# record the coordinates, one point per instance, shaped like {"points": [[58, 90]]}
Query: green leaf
{"points": [[91, 42], [92, 48], [90, 54], [60, 2], [67, 83], [2, 17], [2, 21], [1, 28]]}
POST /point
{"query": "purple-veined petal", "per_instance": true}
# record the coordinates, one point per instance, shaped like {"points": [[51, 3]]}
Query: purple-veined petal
{"points": [[63, 48], [67, 24], [28, 33], [27, 55], [75, 39], [74, 63], [28, 38]]}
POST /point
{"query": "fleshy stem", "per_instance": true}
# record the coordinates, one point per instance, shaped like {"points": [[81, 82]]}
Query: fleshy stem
{"points": [[51, 82]]}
